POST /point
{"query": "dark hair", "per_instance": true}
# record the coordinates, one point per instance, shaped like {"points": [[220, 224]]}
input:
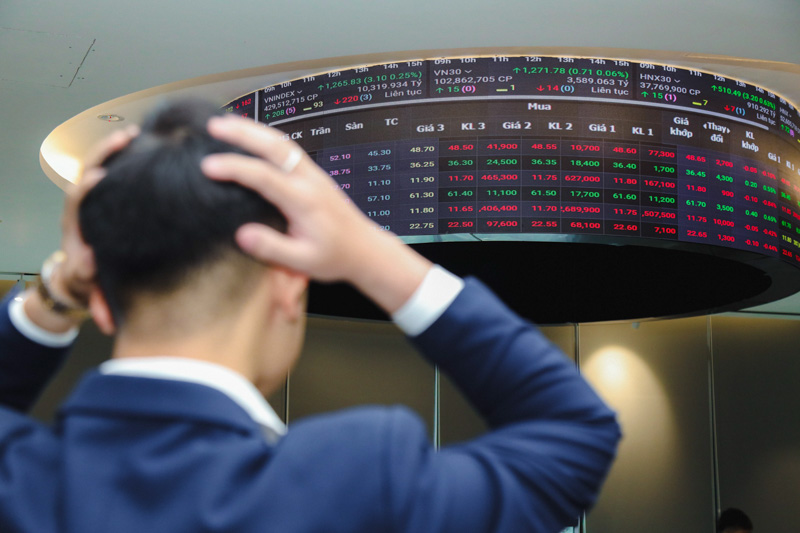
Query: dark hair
{"points": [[155, 217], [733, 518]]}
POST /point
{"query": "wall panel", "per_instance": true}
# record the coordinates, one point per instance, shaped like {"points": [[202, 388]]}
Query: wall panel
{"points": [[655, 374], [347, 363], [757, 375]]}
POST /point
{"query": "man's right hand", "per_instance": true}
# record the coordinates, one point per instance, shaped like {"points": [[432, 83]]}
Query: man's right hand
{"points": [[328, 237], [73, 278], [76, 275]]}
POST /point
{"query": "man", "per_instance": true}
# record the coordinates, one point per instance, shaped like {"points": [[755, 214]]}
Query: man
{"points": [[734, 520], [172, 434]]}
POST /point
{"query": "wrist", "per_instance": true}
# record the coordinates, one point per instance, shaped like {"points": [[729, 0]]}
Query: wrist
{"points": [[42, 315], [52, 301], [389, 272]]}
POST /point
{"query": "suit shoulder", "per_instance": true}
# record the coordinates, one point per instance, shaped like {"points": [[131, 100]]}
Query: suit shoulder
{"points": [[353, 438], [363, 424]]}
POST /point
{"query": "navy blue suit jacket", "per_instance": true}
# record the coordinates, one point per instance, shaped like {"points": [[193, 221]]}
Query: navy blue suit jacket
{"points": [[143, 455]]}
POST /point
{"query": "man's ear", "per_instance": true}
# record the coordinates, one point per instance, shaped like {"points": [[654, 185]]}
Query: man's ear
{"points": [[101, 312], [290, 288]]}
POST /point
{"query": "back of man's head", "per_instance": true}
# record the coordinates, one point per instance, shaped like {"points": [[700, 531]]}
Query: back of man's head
{"points": [[156, 224], [733, 520]]}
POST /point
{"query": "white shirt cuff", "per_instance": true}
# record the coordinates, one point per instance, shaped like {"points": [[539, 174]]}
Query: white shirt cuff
{"points": [[433, 296], [24, 325]]}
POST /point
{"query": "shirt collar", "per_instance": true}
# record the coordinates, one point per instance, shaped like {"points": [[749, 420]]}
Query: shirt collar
{"points": [[218, 377]]}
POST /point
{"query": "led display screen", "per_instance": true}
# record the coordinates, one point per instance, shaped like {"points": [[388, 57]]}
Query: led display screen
{"points": [[560, 150]]}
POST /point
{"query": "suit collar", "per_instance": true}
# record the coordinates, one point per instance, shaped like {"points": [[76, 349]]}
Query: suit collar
{"points": [[213, 375], [139, 397]]}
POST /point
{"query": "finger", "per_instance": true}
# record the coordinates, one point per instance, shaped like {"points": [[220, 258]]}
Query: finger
{"points": [[90, 179], [292, 161], [91, 174], [79, 271], [268, 245], [113, 143], [76, 193], [263, 141], [249, 172]]}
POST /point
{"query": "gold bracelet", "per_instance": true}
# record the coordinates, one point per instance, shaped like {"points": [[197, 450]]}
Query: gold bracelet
{"points": [[50, 301]]}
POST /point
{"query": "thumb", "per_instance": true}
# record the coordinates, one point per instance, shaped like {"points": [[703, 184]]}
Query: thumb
{"points": [[268, 245]]}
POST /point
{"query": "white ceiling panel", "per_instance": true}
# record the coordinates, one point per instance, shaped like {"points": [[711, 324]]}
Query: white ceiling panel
{"points": [[42, 58]]}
